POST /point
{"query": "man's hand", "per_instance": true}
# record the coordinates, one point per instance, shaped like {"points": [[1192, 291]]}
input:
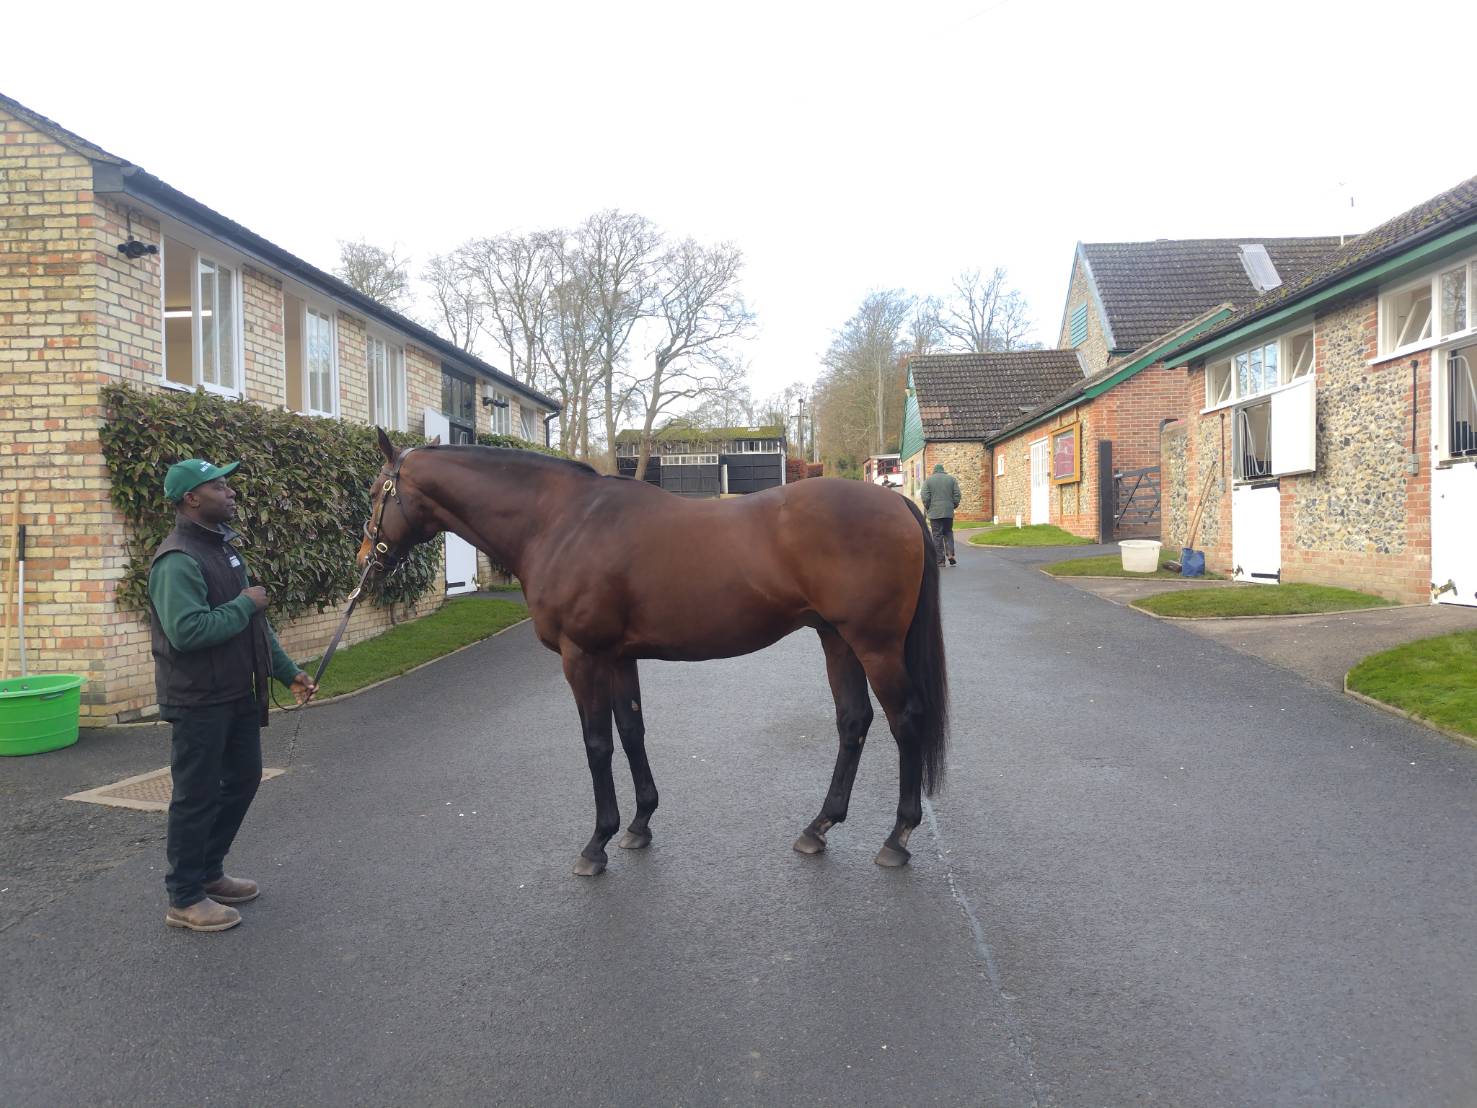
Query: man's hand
{"points": [[303, 688], [258, 594]]}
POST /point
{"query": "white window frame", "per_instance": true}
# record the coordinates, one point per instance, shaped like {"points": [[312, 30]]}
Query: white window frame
{"points": [[1290, 367], [528, 422], [197, 337], [1390, 344], [329, 315], [1446, 401], [500, 420], [999, 463], [394, 385], [690, 460]]}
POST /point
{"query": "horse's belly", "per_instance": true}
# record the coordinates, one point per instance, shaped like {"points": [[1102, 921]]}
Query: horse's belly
{"points": [[723, 623]]}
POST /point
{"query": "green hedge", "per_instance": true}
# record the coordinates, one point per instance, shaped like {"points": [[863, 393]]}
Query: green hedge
{"points": [[303, 493], [513, 442]]}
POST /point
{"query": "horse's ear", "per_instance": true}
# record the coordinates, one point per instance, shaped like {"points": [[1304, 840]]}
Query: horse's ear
{"points": [[387, 448], [435, 441]]}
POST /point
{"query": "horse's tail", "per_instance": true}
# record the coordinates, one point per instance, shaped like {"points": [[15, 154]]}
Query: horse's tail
{"points": [[923, 654]]}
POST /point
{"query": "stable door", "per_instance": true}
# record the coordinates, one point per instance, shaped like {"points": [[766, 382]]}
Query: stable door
{"points": [[1040, 482], [461, 556], [1256, 533]]}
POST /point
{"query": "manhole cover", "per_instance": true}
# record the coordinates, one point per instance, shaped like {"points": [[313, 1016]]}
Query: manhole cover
{"points": [[148, 792]]}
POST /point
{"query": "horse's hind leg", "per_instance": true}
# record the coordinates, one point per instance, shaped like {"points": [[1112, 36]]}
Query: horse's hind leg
{"points": [[899, 700], [589, 679], [853, 718], [625, 697]]}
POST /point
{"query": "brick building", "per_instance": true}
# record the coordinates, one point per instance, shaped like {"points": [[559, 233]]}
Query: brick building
{"points": [[956, 401], [1330, 426], [1087, 458], [108, 274]]}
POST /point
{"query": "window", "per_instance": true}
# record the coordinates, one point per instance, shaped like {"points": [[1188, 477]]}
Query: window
{"points": [[386, 384], [1436, 307], [690, 460], [202, 320], [319, 361], [1276, 435], [1254, 441], [1078, 326], [1259, 369], [528, 420], [501, 414], [1461, 384], [1000, 463]]}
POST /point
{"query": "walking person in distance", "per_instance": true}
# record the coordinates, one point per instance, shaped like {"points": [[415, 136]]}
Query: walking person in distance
{"points": [[940, 498]]}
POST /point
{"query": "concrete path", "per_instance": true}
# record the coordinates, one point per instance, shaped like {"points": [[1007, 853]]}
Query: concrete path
{"points": [[1322, 648], [1161, 871]]}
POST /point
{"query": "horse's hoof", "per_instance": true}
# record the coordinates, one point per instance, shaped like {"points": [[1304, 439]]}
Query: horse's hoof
{"points": [[587, 867], [635, 840], [809, 843], [892, 856]]}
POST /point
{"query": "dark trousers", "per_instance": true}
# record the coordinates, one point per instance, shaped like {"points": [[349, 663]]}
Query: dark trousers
{"points": [[216, 762], [943, 537]]}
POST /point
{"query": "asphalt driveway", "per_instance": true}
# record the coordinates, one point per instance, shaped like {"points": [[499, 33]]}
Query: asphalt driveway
{"points": [[1161, 871]]}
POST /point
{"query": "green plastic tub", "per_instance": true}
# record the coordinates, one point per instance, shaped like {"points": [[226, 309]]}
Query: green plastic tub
{"points": [[39, 713]]}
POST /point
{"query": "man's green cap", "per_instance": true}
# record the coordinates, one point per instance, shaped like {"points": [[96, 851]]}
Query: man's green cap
{"points": [[939, 468], [192, 472]]}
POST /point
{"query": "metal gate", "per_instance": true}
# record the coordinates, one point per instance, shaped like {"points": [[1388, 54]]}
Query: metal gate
{"points": [[1135, 498]]}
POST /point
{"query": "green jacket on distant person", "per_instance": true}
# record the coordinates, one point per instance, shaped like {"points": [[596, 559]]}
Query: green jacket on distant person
{"points": [[940, 494]]}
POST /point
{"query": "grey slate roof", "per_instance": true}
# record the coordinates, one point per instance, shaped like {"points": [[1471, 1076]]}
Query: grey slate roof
{"points": [[967, 396], [1078, 390], [1447, 211], [1150, 288]]}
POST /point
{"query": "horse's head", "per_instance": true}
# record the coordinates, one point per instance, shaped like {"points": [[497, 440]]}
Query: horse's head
{"points": [[399, 517]]}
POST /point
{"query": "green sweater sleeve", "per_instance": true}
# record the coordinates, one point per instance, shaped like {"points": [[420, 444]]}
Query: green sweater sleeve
{"points": [[283, 667], [177, 590]]}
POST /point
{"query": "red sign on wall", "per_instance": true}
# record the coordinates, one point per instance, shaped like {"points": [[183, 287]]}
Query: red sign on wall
{"points": [[1066, 451]]}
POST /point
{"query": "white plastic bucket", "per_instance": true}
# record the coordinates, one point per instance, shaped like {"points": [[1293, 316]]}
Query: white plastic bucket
{"points": [[1140, 555]]}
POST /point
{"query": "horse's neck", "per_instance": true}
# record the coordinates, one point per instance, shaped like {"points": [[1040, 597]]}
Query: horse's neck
{"points": [[499, 507]]}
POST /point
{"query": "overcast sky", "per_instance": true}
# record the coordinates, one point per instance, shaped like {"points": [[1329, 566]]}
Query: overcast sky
{"points": [[843, 146]]}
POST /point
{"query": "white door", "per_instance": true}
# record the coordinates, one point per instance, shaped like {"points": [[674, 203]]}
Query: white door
{"points": [[1256, 533], [461, 556], [1454, 534], [1040, 482]]}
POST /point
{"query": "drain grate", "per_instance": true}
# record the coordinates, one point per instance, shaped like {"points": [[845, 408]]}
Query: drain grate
{"points": [[148, 792]]}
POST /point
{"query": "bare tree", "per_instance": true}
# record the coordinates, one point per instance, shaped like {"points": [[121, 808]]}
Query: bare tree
{"points": [[571, 345], [984, 314], [732, 407], [925, 332], [699, 312], [460, 310], [859, 395], [514, 273], [382, 275], [617, 252]]}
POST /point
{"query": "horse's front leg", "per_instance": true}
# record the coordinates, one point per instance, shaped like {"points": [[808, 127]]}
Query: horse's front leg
{"points": [[625, 695], [589, 679]]}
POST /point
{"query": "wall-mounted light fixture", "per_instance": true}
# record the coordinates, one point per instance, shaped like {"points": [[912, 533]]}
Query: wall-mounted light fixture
{"points": [[133, 249], [494, 402]]}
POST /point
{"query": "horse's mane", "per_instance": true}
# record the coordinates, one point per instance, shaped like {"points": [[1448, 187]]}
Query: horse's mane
{"points": [[532, 457]]}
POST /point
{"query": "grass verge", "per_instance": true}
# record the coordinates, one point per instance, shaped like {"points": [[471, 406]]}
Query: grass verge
{"points": [[1435, 679], [1258, 600], [1040, 534], [456, 624], [1111, 565]]}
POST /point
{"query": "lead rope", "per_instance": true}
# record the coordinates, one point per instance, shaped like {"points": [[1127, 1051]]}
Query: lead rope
{"points": [[370, 565]]}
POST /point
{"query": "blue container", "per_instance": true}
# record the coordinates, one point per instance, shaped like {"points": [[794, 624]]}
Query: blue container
{"points": [[1192, 562]]}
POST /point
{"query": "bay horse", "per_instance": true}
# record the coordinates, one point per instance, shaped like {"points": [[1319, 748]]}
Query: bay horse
{"points": [[616, 570]]}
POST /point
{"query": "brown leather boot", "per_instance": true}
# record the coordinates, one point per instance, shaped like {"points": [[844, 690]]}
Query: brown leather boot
{"points": [[232, 890], [203, 915]]}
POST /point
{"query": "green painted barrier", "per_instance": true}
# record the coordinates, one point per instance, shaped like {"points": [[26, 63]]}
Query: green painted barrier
{"points": [[39, 713]]}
